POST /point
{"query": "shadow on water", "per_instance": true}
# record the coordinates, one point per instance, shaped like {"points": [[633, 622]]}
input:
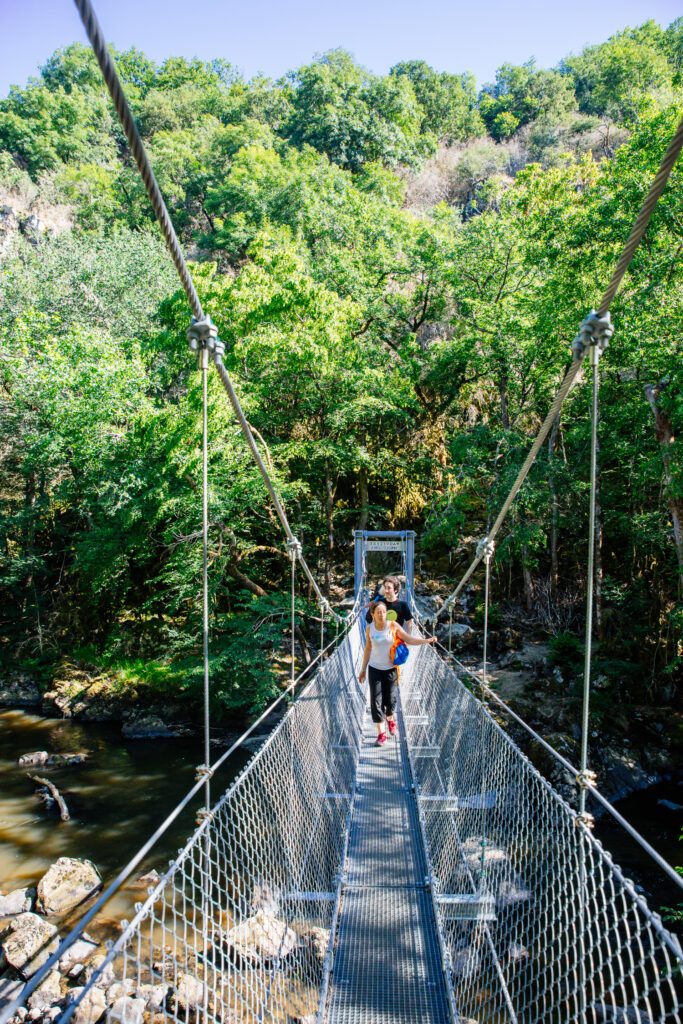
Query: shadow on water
{"points": [[116, 799]]}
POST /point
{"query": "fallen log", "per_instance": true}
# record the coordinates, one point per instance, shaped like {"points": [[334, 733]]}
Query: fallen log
{"points": [[55, 794]]}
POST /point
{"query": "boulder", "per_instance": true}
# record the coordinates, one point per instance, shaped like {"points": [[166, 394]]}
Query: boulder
{"points": [[262, 938], [127, 1010], [118, 990], [36, 758], [19, 901], [106, 978], [61, 760], [47, 994], [316, 941], [27, 943], [150, 878], [144, 727], [78, 953], [19, 691], [188, 995], [67, 883], [91, 1007], [154, 997]]}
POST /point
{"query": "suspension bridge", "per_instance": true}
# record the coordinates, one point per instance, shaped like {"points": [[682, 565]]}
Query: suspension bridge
{"points": [[438, 879]]}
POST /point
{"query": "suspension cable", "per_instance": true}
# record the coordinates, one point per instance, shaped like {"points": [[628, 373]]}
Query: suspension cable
{"points": [[601, 316], [204, 363], [202, 331], [595, 353]]}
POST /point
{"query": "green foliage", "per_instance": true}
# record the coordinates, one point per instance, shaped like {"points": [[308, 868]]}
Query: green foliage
{"points": [[566, 651], [395, 327]]}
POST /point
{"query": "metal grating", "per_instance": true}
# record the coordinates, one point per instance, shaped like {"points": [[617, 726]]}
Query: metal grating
{"points": [[387, 965]]}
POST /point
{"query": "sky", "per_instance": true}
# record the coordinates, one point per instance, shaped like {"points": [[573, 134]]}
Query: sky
{"points": [[272, 36]]}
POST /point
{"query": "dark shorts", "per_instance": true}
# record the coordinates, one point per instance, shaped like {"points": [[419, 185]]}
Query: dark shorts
{"points": [[383, 691]]}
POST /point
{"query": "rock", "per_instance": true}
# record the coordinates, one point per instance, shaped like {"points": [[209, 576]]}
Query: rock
{"points": [[517, 952], [47, 994], [316, 940], [32, 228], [119, 989], [9, 990], [38, 757], [310, 1018], [17, 902], [144, 727], [78, 953], [151, 878], [154, 997], [509, 893], [19, 691], [28, 943], [67, 883], [670, 805], [262, 938], [91, 1007], [106, 978], [128, 1010], [188, 994], [67, 759]]}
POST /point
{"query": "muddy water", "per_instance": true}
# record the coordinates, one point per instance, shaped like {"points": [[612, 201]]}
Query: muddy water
{"points": [[116, 800]]}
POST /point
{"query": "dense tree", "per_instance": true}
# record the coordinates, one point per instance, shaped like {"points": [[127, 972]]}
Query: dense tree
{"points": [[394, 355]]}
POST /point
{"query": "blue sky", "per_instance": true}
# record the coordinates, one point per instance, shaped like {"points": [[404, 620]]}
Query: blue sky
{"points": [[273, 37]]}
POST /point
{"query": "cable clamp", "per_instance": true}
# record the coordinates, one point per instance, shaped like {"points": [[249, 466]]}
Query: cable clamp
{"points": [[586, 778], [294, 548], [325, 607], [585, 819], [202, 337], [202, 815], [486, 548], [594, 332], [203, 772]]}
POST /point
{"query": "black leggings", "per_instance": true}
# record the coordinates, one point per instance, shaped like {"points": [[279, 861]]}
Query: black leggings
{"points": [[383, 691]]}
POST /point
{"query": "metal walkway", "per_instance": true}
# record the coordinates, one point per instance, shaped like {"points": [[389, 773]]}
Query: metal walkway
{"points": [[387, 957]]}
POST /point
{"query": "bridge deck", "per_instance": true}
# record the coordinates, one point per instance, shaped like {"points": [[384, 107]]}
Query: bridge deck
{"points": [[387, 966]]}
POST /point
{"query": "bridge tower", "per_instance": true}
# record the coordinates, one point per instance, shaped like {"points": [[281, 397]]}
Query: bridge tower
{"points": [[402, 541]]}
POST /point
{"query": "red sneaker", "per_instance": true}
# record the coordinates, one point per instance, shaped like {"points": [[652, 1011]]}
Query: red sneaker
{"points": [[391, 722], [381, 739]]}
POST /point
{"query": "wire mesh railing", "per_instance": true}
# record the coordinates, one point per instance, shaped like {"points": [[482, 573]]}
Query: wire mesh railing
{"points": [[540, 925], [240, 927]]}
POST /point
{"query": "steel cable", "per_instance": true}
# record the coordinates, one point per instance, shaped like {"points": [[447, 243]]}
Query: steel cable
{"points": [[113, 83]]}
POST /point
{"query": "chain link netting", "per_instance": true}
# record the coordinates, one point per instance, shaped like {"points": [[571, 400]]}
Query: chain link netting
{"points": [[540, 925], [238, 929]]}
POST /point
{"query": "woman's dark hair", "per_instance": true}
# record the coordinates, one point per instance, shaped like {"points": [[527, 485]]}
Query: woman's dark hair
{"points": [[375, 604]]}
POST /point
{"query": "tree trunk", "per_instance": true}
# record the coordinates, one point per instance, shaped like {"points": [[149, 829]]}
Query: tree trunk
{"points": [[248, 584], [503, 392], [364, 499], [330, 491], [528, 583], [665, 436]]}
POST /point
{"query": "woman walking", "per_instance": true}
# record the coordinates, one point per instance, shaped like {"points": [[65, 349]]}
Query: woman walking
{"points": [[383, 675]]}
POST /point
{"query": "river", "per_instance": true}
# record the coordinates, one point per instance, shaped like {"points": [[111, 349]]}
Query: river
{"points": [[116, 800]]}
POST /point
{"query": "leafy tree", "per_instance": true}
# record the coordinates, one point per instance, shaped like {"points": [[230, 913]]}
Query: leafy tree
{"points": [[448, 101], [523, 94]]}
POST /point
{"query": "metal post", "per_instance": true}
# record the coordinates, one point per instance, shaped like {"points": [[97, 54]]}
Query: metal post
{"points": [[450, 630], [359, 538]]}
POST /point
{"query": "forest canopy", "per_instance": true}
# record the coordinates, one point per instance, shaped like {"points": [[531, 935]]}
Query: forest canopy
{"points": [[397, 264]]}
